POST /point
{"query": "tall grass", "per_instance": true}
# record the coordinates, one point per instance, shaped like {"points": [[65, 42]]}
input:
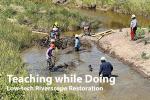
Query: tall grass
{"points": [[41, 15], [12, 39], [140, 7], [16, 35]]}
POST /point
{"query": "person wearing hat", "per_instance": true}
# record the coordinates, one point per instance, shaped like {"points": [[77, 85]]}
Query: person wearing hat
{"points": [[77, 43], [56, 30], [133, 27], [105, 68]]}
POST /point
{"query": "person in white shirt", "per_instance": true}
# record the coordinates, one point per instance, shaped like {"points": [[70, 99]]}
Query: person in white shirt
{"points": [[133, 26]]}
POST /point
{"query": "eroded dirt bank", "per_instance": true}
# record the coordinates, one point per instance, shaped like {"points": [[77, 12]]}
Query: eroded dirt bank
{"points": [[119, 45]]}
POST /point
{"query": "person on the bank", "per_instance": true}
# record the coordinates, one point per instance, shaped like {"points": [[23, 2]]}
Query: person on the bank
{"points": [[77, 43], [105, 68], [133, 27]]}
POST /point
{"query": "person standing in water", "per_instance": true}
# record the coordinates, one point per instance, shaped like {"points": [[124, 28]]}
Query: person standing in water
{"points": [[56, 30], [87, 30], [133, 27], [105, 68], [49, 55], [77, 43]]}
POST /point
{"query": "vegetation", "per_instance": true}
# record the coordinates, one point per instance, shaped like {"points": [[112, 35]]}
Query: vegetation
{"points": [[145, 55], [17, 19], [40, 15], [140, 7]]}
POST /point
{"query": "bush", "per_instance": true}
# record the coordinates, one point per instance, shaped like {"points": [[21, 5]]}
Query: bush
{"points": [[9, 12]]}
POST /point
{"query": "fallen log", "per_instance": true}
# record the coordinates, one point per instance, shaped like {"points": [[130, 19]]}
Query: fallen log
{"points": [[40, 33], [102, 33], [100, 37]]}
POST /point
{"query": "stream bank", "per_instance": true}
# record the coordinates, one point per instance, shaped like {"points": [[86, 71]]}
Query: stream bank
{"points": [[119, 45], [126, 7]]}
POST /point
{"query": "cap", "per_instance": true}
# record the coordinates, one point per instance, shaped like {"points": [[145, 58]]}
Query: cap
{"points": [[103, 58], [56, 23], [52, 40], [133, 16], [76, 35]]}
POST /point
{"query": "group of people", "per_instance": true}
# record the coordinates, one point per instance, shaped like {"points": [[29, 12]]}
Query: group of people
{"points": [[106, 67], [54, 35]]}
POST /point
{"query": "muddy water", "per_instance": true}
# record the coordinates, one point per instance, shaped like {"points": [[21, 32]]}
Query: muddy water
{"points": [[113, 20], [129, 85]]}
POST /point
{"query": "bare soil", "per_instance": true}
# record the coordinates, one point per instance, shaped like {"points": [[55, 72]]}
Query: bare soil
{"points": [[119, 45]]}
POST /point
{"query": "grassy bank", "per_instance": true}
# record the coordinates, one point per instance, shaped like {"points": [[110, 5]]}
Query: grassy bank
{"points": [[140, 7], [40, 15], [17, 19]]}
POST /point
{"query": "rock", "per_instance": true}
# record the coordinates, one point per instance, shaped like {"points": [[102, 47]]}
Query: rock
{"points": [[90, 68], [73, 28], [17, 8], [12, 20], [92, 6], [81, 4], [84, 23], [59, 1], [63, 67], [92, 24]]}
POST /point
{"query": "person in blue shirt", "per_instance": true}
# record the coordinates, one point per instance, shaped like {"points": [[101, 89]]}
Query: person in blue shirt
{"points": [[105, 68], [52, 34], [77, 43]]}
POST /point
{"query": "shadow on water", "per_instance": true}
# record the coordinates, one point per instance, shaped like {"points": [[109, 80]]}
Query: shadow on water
{"points": [[129, 85]]}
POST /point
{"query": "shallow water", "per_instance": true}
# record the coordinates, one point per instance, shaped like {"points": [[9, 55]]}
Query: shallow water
{"points": [[113, 20], [130, 85]]}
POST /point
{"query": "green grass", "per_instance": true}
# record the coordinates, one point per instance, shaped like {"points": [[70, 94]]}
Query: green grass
{"points": [[41, 15], [17, 35], [13, 38], [139, 7]]}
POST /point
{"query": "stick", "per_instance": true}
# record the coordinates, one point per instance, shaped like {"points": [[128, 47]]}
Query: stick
{"points": [[102, 33], [40, 33]]}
